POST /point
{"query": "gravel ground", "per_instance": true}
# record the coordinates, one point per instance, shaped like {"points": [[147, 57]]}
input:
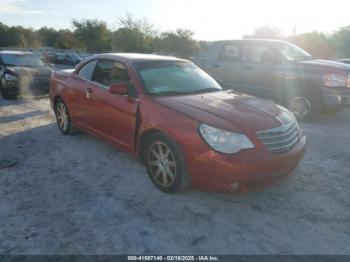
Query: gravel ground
{"points": [[78, 195]]}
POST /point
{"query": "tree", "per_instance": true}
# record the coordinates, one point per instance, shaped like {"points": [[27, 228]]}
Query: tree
{"points": [[266, 32], [341, 41], [47, 36], [134, 35], [66, 40], [179, 42], [93, 33], [316, 43]]}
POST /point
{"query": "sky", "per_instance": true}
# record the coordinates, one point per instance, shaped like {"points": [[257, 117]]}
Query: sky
{"points": [[209, 19]]}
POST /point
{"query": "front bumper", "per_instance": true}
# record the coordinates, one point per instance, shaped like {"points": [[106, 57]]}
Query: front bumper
{"points": [[336, 97], [36, 86], [249, 170], [11, 87]]}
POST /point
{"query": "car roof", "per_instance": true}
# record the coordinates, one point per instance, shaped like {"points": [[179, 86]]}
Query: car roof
{"points": [[10, 52], [133, 57]]}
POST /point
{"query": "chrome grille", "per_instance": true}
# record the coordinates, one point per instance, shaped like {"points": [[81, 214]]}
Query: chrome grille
{"points": [[280, 139]]}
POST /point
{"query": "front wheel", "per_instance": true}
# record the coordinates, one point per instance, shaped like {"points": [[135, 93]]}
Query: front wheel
{"points": [[304, 108], [165, 164]]}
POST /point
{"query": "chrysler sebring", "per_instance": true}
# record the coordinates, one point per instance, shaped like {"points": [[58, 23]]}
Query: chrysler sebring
{"points": [[179, 122]]}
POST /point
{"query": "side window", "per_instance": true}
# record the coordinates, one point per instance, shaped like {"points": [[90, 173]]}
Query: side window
{"points": [[108, 72], [86, 71], [261, 54], [230, 52]]}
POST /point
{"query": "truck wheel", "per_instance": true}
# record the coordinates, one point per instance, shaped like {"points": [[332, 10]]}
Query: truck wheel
{"points": [[165, 164], [304, 108]]}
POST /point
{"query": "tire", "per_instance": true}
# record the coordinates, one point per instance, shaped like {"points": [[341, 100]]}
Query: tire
{"points": [[304, 108], [165, 164], [63, 119]]}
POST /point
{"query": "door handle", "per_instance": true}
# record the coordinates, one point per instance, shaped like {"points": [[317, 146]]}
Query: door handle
{"points": [[248, 67], [88, 91]]}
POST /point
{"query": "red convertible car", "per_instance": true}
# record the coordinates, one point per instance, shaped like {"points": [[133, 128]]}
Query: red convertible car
{"points": [[179, 122]]}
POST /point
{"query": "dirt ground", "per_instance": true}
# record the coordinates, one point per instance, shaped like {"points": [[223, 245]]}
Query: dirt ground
{"points": [[78, 195]]}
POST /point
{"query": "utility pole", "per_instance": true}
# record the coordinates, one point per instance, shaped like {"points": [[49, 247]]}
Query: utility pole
{"points": [[294, 30]]}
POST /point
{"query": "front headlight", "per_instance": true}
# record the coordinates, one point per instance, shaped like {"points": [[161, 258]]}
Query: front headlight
{"points": [[335, 80], [9, 77], [224, 141]]}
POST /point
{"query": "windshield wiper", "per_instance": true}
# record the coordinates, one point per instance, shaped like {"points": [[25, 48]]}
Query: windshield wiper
{"points": [[205, 90], [170, 93], [29, 65]]}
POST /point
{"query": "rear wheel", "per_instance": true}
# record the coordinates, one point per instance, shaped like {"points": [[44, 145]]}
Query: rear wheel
{"points": [[63, 118], [165, 164]]}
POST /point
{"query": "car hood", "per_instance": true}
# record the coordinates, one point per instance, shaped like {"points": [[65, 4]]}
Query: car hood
{"points": [[30, 71], [324, 64], [229, 110]]}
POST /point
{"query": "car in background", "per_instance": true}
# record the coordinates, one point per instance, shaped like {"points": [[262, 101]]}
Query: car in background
{"points": [[345, 61], [281, 71], [60, 58], [179, 122], [22, 72], [72, 59], [84, 55], [40, 54], [49, 57]]}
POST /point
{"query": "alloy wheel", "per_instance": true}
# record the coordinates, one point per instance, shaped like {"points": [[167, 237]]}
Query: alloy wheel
{"points": [[301, 107], [162, 164], [62, 117]]}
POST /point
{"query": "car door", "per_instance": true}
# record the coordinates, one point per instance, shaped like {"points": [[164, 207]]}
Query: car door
{"points": [[227, 68], [261, 67], [80, 84], [112, 116]]}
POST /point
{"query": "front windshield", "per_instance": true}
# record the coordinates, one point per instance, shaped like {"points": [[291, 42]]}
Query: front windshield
{"points": [[21, 60], [292, 52], [175, 77]]}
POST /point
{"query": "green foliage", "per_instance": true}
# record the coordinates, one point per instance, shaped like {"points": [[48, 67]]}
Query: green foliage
{"points": [[47, 36], [341, 41], [319, 45], [266, 32], [179, 42], [133, 35], [93, 33], [66, 39], [17, 36], [138, 35]]}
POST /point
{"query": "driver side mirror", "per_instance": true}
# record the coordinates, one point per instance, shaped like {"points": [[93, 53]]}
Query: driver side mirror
{"points": [[119, 89]]}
